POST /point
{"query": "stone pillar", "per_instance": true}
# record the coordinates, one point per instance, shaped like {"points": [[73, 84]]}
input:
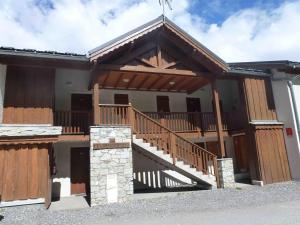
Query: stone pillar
{"points": [[226, 173], [111, 173]]}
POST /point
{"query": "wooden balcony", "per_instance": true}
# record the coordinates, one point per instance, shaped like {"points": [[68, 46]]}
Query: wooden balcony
{"points": [[73, 122], [78, 122]]}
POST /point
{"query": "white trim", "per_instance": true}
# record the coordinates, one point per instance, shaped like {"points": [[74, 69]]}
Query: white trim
{"points": [[22, 202], [266, 122]]}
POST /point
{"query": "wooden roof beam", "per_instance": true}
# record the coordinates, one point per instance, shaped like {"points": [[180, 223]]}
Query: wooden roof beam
{"points": [[138, 69]]}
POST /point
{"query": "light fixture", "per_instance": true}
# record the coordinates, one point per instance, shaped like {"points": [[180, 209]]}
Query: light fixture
{"points": [[125, 80], [172, 83]]}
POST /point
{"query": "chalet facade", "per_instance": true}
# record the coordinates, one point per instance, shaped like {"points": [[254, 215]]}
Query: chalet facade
{"points": [[151, 109]]}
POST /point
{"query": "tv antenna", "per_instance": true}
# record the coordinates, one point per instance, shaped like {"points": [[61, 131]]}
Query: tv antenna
{"points": [[162, 3]]}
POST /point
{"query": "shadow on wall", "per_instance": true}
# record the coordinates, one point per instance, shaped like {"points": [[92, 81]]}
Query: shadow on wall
{"points": [[155, 174]]}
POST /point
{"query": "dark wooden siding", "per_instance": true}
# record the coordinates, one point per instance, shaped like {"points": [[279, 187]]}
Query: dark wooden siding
{"points": [[267, 152], [272, 154], [259, 99], [29, 96], [24, 171]]}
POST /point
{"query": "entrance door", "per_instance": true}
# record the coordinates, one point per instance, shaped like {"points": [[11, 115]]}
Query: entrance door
{"points": [[240, 150], [163, 104], [80, 171], [81, 102], [81, 106], [193, 104], [121, 99]]}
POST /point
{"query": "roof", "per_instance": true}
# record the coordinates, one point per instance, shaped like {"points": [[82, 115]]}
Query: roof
{"points": [[42, 54], [236, 70], [285, 65], [145, 29]]}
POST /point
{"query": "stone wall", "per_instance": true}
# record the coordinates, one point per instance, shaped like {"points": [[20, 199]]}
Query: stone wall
{"points": [[111, 173], [226, 172], [10, 130]]}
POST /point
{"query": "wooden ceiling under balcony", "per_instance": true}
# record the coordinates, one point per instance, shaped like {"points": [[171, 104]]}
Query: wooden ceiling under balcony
{"points": [[150, 79]]}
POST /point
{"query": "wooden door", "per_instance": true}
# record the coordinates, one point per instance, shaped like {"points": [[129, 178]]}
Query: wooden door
{"points": [[80, 171], [212, 147], [193, 104], [121, 99], [81, 106], [81, 102], [24, 171], [240, 151], [163, 104]]}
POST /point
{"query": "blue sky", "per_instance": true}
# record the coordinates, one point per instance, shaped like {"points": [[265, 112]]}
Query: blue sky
{"points": [[216, 11], [236, 30]]}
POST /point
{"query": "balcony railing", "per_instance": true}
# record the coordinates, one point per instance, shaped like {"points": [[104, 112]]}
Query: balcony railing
{"points": [[77, 122], [73, 122]]}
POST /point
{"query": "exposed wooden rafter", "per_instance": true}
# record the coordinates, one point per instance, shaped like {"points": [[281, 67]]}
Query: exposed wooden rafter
{"points": [[139, 69]]}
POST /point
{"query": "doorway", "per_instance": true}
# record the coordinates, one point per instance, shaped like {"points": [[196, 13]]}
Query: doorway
{"points": [[80, 170], [193, 105], [81, 107], [240, 151], [121, 99], [81, 102], [163, 104]]}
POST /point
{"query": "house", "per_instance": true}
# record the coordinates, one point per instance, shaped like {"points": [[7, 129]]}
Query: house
{"points": [[285, 84], [152, 108]]}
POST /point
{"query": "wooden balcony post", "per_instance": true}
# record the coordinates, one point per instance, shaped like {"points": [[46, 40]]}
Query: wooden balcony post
{"points": [[173, 147], [131, 117], [96, 108], [218, 118]]}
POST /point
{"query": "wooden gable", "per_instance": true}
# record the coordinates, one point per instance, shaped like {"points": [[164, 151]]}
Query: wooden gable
{"points": [[159, 60]]}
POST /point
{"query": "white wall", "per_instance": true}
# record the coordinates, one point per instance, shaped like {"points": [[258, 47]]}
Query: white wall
{"points": [[62, 180], [284, 108], [69, 82], [146, 101], [2, 89]]}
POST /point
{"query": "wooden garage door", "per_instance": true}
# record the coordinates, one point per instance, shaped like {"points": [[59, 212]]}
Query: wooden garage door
{"points": [[272, 155], [24, 171]]}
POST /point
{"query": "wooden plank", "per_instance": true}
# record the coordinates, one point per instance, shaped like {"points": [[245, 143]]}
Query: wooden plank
{"points": [[43, 165], [32, 171], [218, 119], [21, 172], [2, 164], [136, 69], [9, 175]]}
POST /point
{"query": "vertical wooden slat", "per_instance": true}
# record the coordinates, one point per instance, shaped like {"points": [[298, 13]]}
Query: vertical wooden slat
{"points": [[21, 172]]}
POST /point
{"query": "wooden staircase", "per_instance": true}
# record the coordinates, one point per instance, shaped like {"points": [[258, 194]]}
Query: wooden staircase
{"points": [[190, 159]]}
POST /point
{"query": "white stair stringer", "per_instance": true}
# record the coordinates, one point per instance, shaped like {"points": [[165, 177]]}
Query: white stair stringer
{"points": [[179, 165]]}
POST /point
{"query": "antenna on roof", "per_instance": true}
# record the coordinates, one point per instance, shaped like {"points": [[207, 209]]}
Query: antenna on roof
{"points": [[162, 3]]}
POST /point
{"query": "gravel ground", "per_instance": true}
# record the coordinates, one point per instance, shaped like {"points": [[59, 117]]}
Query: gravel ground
{"points": [[199, 202]]}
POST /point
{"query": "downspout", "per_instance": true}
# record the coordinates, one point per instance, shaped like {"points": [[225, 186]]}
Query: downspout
{"points": [[290, 85]]}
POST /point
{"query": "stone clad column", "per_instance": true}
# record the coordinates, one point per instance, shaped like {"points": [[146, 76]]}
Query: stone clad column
{"points": [[226, 173], [111, 173]]}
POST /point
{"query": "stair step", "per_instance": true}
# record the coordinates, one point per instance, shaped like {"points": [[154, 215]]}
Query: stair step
{"points": [[179, 164]]}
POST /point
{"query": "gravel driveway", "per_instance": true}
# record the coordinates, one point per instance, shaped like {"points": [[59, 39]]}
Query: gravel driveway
{"points": [[272, 204]]}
